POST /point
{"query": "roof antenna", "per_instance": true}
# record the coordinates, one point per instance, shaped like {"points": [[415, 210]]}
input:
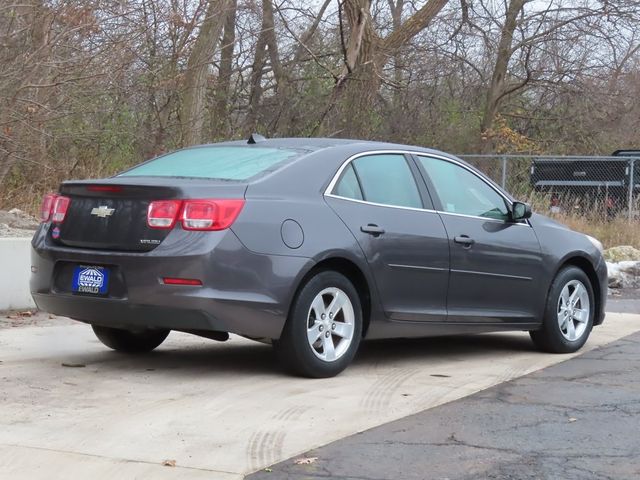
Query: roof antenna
{"points": [[255, 138]]}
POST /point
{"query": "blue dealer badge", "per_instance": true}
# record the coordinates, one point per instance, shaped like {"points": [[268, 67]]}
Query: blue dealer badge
{"points": [[93, 280]]}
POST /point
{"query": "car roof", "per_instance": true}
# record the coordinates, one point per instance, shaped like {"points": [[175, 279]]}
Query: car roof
{"points": [[321, 143]]}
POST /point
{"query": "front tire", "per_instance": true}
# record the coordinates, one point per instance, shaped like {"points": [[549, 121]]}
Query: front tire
{"points": [[324, 328], [569, 313], [130, 341]]}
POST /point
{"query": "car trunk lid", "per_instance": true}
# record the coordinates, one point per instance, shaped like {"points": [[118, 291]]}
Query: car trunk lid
{"points": [[112, 214]]}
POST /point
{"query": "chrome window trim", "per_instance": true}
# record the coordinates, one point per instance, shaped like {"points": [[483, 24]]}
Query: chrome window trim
{"points": [[331, 195], [338, 174]]}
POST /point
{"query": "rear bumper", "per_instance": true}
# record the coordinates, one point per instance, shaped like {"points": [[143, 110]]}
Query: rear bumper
{"points": [[244, 293]]}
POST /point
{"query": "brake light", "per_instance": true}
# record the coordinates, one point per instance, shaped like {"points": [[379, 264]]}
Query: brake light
{"points": [[104, 188], [163, 213], [47, 206], [210, 214], [60, 207]]}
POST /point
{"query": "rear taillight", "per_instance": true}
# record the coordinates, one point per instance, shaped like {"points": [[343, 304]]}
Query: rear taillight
{"points": [[60, 207], [47, 207], [210, 214], [194, 214], [163, 213]]}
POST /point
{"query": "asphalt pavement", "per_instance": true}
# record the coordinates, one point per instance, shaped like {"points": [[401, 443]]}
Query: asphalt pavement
{"points": [[579, 419]]}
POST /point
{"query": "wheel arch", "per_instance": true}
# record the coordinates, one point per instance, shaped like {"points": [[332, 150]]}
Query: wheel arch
{"points": [[587, 267], [349, 269]]}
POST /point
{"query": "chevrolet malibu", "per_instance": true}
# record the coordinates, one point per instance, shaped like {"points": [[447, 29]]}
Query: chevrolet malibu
{"points": [[311, 245]]}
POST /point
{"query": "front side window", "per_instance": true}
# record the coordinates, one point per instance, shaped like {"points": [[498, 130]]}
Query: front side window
{"points": [[462, 192], [384, 179]]}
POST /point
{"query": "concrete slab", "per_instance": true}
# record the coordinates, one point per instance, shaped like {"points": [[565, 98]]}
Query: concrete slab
{"points": [[45, 464], [225, 409], [15, 254]]}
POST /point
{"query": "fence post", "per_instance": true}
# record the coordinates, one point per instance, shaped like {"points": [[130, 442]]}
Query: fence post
{"points": [[504, 172], [631, 187]]}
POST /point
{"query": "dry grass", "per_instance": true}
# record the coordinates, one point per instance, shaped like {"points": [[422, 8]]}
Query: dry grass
{"points": [[618, 231], [591, 218]]}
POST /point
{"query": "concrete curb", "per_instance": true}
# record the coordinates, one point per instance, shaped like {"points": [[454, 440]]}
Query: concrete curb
{"points": [[15, 269]]}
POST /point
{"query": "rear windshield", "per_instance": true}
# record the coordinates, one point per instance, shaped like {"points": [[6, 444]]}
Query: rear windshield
{"points": [[224, 163]]}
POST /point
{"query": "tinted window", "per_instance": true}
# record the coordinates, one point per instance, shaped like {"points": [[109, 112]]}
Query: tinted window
{"points": [[387, 179], [226, 163], [348, 185], [461, 191]]}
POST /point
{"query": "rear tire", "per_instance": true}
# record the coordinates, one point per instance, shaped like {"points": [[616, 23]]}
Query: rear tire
{"points": [[130, 341], [569, 313], [324, 328]]}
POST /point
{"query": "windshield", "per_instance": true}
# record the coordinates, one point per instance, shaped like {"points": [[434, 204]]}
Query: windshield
{"points": [[225, 163]]}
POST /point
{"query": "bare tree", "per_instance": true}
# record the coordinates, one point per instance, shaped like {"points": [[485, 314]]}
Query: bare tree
{"points": [[365, 53], [201, 57]]}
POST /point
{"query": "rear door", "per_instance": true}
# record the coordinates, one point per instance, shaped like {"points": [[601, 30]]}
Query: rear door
{"points": [[496, 264], [404, 241]]}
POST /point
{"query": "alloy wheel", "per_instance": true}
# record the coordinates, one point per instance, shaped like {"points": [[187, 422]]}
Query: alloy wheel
{"points": [[330, 324], [574, 310]]}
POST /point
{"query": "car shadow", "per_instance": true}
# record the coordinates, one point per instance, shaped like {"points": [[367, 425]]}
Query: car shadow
{"points": [[460, 346], [233, 358]]}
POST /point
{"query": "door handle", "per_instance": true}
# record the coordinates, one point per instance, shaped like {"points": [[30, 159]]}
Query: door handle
{"points": [[372, 229], [464, 240]]}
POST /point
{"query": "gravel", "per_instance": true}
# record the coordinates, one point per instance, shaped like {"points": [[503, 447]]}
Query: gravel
{"points": [[16, 223]]}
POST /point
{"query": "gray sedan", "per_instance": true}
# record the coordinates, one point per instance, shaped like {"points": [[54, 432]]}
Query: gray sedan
{"points": [[312, 245]]}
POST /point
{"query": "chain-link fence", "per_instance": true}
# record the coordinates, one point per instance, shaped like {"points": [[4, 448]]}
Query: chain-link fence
{"points": [[606, 187]]}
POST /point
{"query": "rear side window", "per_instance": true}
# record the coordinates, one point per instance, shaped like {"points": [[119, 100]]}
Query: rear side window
{"points": [[224, 163], [348, 185], [387, 179]]}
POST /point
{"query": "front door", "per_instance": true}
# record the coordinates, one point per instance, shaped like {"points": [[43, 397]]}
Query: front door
{"points": [[496, 264], [405, 244]]}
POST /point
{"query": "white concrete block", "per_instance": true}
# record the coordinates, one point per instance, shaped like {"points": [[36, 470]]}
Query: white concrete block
{"points": [[15, 269]]}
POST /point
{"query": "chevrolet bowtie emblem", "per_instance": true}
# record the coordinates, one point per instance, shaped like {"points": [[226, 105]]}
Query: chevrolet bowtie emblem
{"points": [[103, 211]]}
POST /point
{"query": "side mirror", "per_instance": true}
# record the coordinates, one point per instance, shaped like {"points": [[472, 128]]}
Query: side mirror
{"points": [[520, 211]]}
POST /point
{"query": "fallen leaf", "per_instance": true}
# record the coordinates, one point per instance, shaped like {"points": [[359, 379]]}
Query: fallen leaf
{"points": [[305, 460], [268, 470], [571, 420], [26, 313], [73, 365], [169, 463]]}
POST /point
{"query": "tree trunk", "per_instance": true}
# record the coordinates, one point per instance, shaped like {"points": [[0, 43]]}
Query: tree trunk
{"points": [[197, 68], [221, 111], [288, 121], [255, 93], [498, 80], [350, 111]]}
